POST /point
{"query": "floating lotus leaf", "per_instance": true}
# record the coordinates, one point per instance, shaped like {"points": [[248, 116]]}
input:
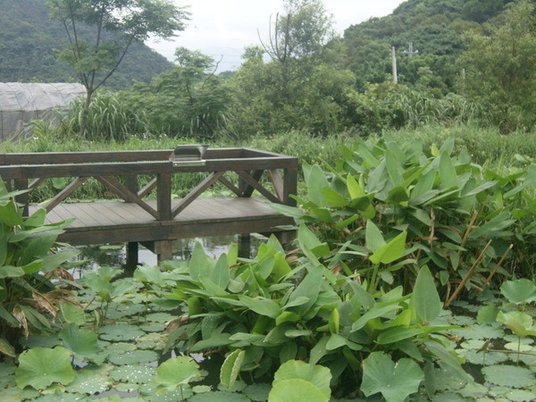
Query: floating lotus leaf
{"points": [[120, 347], [91, 380], [473, 344], [150, 393], [17, 395], [220, 396], [62, 398], [153, 341], [520, 395], [485, 358], [478, 332], [160, 317], [41, 367], [515, 338], [126, 387], [522, 347], [509, 376], [461, 320], [153, 327], [80, 341], [201, 389], [519, 291], [117, 311], [6, 369], [133, 357], [120, 332], [257, 392], [176, 372], [43, 341], [449, 397], [403, 377], [136, 374]]}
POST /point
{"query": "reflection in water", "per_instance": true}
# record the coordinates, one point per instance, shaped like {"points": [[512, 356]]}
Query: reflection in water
{"points": [[95, 256]]}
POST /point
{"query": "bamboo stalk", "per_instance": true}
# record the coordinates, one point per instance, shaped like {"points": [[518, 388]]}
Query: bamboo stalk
{"points": [[467, 276]]}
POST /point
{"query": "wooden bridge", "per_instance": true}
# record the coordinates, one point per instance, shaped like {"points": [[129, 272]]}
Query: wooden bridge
{"points": [[143, 208]]}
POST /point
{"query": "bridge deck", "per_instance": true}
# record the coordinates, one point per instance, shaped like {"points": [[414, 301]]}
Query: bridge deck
{"points": [[117, 221]]}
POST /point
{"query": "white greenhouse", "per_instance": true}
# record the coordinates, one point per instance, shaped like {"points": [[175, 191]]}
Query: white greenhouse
{"points": [[21, 103]]}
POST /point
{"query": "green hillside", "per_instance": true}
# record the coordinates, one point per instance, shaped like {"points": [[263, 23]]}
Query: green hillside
{"points": [[434, 27], [28, 44]]}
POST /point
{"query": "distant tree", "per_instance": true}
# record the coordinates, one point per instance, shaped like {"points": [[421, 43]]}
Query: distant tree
{"points": [[499, 65], [188, 100], [117, 24]]}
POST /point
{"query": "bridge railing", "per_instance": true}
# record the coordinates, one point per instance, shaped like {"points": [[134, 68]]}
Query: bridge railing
{"points": [[119, 172]]}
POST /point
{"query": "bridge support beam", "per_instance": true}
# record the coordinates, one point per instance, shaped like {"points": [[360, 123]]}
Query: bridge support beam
{"points": [[132, 256], [163, 250]]}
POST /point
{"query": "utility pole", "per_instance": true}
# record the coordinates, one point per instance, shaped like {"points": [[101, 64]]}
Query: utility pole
{"points": [[410, 52], [393, 60]]}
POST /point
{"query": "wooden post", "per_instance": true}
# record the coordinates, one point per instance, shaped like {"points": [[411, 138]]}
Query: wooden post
{"points": [[290, 185], [22, 184], [163, 196], [244, 245], [132, 251], [164, 250]]}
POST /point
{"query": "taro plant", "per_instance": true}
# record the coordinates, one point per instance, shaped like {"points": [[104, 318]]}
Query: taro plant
{"points": [[258, 314], [460, 219], [28, 264]]}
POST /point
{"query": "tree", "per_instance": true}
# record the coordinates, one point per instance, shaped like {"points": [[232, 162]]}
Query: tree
{"points": [[189, 99], [117, 24], [499, 65]]}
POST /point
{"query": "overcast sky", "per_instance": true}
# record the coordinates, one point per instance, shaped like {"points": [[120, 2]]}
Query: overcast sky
{"points": [[223, 28]]}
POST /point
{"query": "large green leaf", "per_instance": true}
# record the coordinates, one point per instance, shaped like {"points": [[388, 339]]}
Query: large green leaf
{"points": [[391, 251], [395, 381], [80, 341], [41, 367], [427, 303], [176, 372], [220, 274], [447, 172], [519, 291], [262, 306], [315, 181], [313, 380], [200, 264], [231, 367], [373, 237]]}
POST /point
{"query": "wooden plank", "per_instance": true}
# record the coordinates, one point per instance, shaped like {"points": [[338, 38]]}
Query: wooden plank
{"points": [[125, 194], [144, 192], [277, 181], [78, 170], [66, 192], [227, 183], [36, 183], [256, 185], [197, 190]]}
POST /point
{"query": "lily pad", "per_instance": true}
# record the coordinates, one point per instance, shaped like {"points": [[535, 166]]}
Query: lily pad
{"points": [[485, 358], [120, 332], [133, 357], [176, 372], [152, 341], [395, 381], [508, 376], [153, 327], [18, 395], [478, 332], [257, 392], [150, 393], [219, 396], [41, 367], [160, 317], [136, 374], [91, 380]]}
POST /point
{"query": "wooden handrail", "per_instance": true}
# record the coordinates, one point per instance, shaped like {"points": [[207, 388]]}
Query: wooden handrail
{"points": [[247, 164]]}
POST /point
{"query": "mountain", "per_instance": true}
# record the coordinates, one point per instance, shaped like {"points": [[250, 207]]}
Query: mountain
{"points": [[428, 37], [29, 41]]}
